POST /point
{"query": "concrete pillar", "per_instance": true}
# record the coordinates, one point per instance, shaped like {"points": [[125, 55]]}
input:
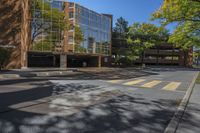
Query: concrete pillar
{"points": [[63, 61], [99, 61], [25, 32]]}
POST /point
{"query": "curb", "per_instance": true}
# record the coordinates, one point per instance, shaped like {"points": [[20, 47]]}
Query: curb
{"points": [[174, 123], [36, 74], [3, 76]]}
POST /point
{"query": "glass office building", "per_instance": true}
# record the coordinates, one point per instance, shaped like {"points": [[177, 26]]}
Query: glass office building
{"points": [[49, 22], [96, 29]]}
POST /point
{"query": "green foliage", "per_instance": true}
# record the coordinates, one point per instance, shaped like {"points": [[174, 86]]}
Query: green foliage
{"points": [[120, 32], [144, 36], [184, 37], [121, 27], [186, 13], [43, 46], [45, 20], [131, 42], [4, 56], [178, 11], [79, 37], [80, 49], [119, 36]]}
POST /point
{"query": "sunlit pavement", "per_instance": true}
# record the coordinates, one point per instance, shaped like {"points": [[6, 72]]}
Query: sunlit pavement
{"points": [[92, 103]]}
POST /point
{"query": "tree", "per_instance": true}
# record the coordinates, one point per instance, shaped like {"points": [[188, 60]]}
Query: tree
{"points": [[120, 31], [121, 27], [186, 13], [119, 36], [4, 57], [144, 36]]}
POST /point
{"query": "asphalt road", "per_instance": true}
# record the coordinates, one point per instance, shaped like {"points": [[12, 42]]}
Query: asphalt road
{"points": [[125, 101]]}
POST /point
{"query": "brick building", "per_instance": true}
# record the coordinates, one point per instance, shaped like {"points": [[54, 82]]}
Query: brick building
{"points": [[32, 29]]}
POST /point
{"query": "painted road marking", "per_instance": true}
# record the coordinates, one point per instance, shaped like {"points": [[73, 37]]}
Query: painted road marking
{"points": [[151, 84], [134, 82], [172, 86], [115, 81]]}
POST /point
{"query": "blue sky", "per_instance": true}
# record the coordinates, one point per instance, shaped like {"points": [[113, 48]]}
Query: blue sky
{"points": [[131, 10]]}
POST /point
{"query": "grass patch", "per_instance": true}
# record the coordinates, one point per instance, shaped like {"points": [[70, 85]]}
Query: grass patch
{"points": [[198, 79]]}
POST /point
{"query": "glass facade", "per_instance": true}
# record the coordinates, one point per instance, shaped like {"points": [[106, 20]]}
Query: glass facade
{"points": [[96, 29], [47, 25], [48, 28]]}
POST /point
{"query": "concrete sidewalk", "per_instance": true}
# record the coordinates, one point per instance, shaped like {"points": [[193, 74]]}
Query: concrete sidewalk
{"points": [[191, 119], [54, 72]]}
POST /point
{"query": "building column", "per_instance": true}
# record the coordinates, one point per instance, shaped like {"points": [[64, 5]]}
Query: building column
{"points": [[63, 61], [25, 32], [99, 62]]}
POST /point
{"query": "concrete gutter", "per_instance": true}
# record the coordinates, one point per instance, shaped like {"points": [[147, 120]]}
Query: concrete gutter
{"points": [[174, 123]]}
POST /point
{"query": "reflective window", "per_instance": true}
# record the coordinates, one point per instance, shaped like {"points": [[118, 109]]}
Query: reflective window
{"points": [[71, 4], [71, 39], [47, 25], [71, 15], [96, 29]]}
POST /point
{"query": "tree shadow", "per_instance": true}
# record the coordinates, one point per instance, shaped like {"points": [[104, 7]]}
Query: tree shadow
{"points": [[108, 114], [190, 120], [111, 75], [41, 91]]}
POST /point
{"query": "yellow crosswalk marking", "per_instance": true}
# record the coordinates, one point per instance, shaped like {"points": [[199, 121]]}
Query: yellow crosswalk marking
{"points": [[114, 81], [151, 84], [172, 86], [134, 82]]}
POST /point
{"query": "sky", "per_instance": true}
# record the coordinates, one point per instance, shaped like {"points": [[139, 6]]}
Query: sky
{"points": [[131, 10]]}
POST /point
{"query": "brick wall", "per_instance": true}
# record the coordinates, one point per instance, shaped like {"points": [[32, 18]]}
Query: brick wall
{"points": [[10, 29]]}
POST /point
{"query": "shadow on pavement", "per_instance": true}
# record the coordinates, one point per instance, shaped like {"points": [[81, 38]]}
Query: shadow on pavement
{"points": [[113, 75], [191, 119], [123, 114], [43, 90], [119, 114]]}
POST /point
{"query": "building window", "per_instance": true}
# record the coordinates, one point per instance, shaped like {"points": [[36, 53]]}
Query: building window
{"points": [[71, 4], [71, 39], [71, 15], [71, 27]]}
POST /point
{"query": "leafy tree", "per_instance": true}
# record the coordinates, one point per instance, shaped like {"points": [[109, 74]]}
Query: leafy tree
{"points": [[4, 57], [186, 13], [144, 36]]}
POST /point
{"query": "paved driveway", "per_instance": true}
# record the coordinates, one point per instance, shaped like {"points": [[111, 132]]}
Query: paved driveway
{"points": [[93, 103]]}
